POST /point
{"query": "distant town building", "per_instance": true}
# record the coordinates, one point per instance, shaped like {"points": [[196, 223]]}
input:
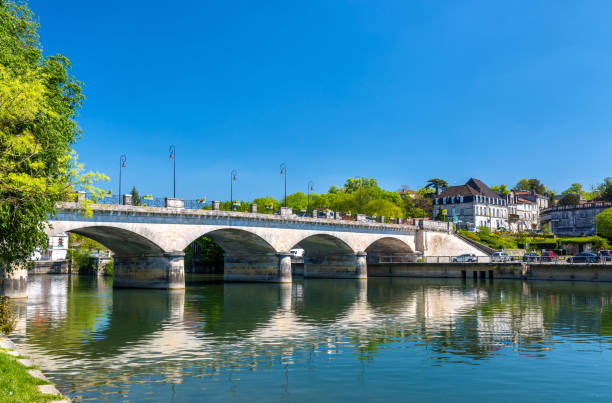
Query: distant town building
{"points": [[473, 205], [524, 210], [57, 250], [573, 219]]}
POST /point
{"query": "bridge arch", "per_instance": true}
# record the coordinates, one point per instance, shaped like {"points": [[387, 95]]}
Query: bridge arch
{"points": [[388, 245], [323, 244], [121, 242]]}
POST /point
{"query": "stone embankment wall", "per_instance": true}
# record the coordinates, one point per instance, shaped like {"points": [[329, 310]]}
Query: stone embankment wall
{"points": [[50, 267], [15, 283], [516, 271]]}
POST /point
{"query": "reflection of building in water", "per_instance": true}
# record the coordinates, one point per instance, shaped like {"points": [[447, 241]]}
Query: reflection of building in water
{"points": [[511, 323], [47, 298], [439, 308]]}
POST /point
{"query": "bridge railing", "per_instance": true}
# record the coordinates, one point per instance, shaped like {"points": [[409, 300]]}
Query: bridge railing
{"points": [[148, 201]]}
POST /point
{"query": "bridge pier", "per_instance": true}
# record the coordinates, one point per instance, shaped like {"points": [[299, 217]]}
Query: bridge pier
{"points": [[262, 267], [165, 271], [336, 266]]}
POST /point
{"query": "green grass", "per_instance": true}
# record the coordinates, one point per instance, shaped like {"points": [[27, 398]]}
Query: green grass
{"points": [[16, 385]]}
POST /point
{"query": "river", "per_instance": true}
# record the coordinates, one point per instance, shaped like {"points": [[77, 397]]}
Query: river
{"points": [[379, 339]]}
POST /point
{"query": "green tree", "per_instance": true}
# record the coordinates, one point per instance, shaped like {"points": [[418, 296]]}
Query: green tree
{"points": [[531, 185], [501, 189], [381, 207], [135, 197], [297, 201], [39, 102], [438, 184], [266, 205], [605, 189], [575, 188], [603, 221], [353, 185], [568, 199]]}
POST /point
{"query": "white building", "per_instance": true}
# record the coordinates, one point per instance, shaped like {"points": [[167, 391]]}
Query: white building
{"points": [[473, 205], [57, 250], [524, 210]]}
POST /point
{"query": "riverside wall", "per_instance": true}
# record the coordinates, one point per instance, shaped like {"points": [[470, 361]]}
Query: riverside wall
{"points": [[516, 271]]}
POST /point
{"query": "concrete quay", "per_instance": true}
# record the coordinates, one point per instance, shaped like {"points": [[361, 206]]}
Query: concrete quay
{"points": [[514, 271]]}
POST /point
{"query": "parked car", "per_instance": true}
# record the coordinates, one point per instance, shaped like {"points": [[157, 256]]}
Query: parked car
{"points": [[584, 257], [605, 255], [531, 257], [465, 258], [500, 257], [549, 256]]}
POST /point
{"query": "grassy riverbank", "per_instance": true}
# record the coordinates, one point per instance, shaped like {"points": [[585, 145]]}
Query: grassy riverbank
{"points": [[16, 385]]}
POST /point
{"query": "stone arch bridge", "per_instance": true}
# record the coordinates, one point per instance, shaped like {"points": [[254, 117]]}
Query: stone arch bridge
{"points": [[148, 242]]}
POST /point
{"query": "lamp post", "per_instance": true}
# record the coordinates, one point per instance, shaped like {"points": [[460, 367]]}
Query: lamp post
{"points": [[122, 160], [173, 158], [283, 171], [310, 187], [232, 179]]}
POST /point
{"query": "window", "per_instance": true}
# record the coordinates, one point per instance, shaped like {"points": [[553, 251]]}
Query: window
{"points": [[60, 242]]}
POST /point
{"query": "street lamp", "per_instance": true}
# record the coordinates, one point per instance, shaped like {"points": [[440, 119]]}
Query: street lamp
{"points": [[122, 160], [173, 158], [283, 171], [232, 179], [310, 187]]}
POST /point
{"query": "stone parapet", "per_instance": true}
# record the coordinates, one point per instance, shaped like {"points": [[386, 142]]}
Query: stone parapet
{"points": [[174, 203], [181, 215]]}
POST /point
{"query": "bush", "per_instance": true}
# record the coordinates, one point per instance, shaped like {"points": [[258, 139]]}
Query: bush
{"points": [[80, 259], [109, 269], [603, 221], [7, 316]]}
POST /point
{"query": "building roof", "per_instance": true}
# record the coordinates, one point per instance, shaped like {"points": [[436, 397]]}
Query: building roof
{"points": [[524, 201], [472, 187]]}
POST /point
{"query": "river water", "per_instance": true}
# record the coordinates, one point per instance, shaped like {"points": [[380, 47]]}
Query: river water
{"points": [[380, 339]]}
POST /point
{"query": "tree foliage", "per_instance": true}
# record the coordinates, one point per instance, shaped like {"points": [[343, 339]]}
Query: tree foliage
{"points": [[135, 197], [39, 102], [605, 189], [438, 184], [501, 189], [575, 188], [570, 199], [531, 185], [603, 221]]}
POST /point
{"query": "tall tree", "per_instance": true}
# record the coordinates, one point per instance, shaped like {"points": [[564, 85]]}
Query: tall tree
{"points": [[575, 188], [531, 185], [438, 184], [135, 197], [39, 102], [605, 189]]}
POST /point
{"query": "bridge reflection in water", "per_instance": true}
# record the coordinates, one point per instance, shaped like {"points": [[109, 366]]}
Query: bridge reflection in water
{"points": [[100, 342]]}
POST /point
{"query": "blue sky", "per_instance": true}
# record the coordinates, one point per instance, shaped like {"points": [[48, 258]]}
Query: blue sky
{"points": [[402, 91]]}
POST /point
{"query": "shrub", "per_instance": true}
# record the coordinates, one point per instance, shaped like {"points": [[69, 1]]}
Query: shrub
{"points": [[109, 269], [7, 316]]}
